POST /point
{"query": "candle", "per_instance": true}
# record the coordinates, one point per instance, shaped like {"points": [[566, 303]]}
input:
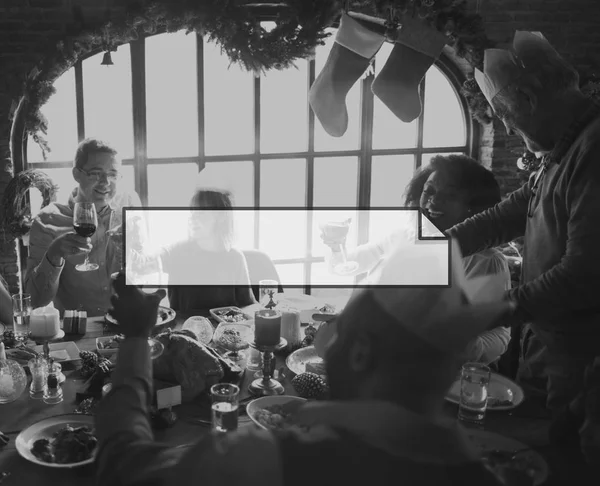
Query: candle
{"points": [[290, 327], [267, 327], [45, 322]]}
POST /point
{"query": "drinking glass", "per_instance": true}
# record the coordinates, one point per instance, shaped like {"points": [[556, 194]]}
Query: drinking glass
{"points": [[53, 393], [21, 316], [337, 231], [225, 403], [268, 290], [38, 367], [474, 381], [85, 222]]}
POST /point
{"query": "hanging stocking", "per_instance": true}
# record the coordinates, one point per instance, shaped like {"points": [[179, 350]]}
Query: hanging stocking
{"points": [[397, 84], [351, 54]]}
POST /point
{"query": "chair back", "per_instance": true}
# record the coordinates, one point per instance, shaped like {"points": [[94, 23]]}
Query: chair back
{"points": [[260, 267]]}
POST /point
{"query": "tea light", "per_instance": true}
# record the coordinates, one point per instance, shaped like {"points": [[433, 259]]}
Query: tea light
{"points": [[267, 327]]}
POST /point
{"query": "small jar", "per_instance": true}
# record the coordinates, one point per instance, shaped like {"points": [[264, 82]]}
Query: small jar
{"points": [[53, 393], [38, 368]]}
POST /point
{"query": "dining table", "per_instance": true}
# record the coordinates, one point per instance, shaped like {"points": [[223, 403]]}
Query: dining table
{"points": [[528, 423]]}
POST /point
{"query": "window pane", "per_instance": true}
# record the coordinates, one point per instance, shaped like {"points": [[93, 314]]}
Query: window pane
{"points": [[238, 178], [390, 174], [171, 95], [321, 217], [426, 158], [335, 293], [384, 222], [107, 100], [284, 110], [291, 274], [171, 184], [228, 105], [63, 178], [389, 132], [61, 112], [340, 173], [351, 139], [282, 234], [283, 183], [444, 122]]}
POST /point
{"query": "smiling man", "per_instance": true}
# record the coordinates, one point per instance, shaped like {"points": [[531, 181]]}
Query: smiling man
{"points": [[536, 94], [55, 249]]}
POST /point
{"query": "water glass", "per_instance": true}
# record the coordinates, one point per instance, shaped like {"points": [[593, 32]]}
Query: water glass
{"points": [[225, 403], [268, 290], [254, 362], [22, 315], [474, 381]]}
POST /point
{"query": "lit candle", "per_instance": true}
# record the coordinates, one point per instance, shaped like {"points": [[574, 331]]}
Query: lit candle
{"points": [[267, 327], [290, 327]]}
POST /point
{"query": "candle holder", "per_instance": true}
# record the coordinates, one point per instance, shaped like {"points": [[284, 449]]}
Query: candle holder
{"points": [[266, 385]]}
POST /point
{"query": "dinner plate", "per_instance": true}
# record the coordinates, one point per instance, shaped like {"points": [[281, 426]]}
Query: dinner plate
{"points": [[487, 442], [165, 315], [217, 314], [501, 390], [46, 428], [288, 402], [298, 360]]}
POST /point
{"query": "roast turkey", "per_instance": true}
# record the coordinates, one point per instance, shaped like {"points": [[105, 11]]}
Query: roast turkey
{"points": [[191, 364]]}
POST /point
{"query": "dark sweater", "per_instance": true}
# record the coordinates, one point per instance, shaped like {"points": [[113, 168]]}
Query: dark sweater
{"points": [[560, 282]]}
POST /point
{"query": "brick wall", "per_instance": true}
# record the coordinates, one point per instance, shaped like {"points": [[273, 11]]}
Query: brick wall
{"points": [[28, 27]]}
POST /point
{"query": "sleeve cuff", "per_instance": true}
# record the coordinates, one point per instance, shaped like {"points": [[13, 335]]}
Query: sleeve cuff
{"points": [[47, 268], [134, 363]]}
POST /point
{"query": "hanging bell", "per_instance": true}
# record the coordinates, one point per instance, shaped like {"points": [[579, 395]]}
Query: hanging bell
{"points": [[107, 59]]}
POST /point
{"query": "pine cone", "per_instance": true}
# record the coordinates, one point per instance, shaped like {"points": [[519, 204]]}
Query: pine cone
{"points": [[8, 338], [310, 385]]}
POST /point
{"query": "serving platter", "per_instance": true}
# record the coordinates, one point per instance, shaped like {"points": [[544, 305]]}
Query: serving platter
{"points": [[45, 429], [503, 393], [165, 315], [298, 360]]}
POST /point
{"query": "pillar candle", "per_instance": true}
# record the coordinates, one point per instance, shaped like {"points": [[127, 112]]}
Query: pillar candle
{"points": [[267, 327], [290, 327], [44, 322]]}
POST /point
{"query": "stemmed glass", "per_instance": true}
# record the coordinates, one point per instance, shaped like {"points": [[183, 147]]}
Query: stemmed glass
{"points": [[156, 348], [85, 222], [337, 231]]}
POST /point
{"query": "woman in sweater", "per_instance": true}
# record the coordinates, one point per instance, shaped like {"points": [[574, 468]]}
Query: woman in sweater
{"points": [[448, 190]]}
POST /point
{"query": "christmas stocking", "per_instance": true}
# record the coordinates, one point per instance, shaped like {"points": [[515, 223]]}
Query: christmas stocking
{"points": [[397, 84], [354, 48]]}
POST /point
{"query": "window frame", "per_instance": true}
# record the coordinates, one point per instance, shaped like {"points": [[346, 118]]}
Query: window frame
{"points": [[364, 153]]}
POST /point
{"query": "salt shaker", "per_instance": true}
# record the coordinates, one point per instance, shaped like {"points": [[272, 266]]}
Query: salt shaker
{"points": [[53, 393], [38, 367]]}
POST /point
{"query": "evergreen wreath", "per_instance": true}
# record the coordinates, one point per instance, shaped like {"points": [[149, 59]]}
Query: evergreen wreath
{"points": [[16, 214]]}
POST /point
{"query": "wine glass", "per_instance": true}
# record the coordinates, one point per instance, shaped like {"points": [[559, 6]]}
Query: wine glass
{"points": [[156, 348], [85, 222], [337, 231]]}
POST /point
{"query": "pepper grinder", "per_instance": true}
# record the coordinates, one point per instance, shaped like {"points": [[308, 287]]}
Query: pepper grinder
{"points": [[53, 393]]}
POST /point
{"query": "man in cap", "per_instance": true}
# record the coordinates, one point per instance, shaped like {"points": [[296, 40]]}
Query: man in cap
{"points": [[392, 360], [536, 94]]}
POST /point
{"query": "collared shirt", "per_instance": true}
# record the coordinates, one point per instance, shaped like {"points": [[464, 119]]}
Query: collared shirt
{"points": [[129, 456], [65, 286]]}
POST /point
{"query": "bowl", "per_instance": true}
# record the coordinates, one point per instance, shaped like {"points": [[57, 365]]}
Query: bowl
{"points": [[290, 404], [107, 353]]}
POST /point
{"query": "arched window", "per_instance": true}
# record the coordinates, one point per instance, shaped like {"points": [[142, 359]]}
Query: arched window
{"points": [[177, 111]]}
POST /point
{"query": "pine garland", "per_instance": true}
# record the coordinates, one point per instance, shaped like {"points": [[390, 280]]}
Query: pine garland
{"points": [[16, 214]]}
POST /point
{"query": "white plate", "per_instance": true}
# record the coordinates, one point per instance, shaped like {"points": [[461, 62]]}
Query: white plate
{"points": [[291, 403], [46, 428], [486, 442], [500, 388], [160, 321], [298, 360]]}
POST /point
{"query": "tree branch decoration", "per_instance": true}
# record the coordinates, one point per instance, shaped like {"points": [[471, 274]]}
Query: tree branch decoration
{"points": [[16, 213]]}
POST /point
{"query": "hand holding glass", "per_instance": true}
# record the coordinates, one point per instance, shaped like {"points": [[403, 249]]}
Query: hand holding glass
{"points": [[334, 234], [85, 222]]}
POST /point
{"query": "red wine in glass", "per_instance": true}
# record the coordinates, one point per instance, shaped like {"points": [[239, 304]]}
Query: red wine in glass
{"points": [[85, 222]]}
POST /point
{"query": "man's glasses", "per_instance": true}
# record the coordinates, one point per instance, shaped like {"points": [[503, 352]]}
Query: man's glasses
{"points": [[97, 175]]}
